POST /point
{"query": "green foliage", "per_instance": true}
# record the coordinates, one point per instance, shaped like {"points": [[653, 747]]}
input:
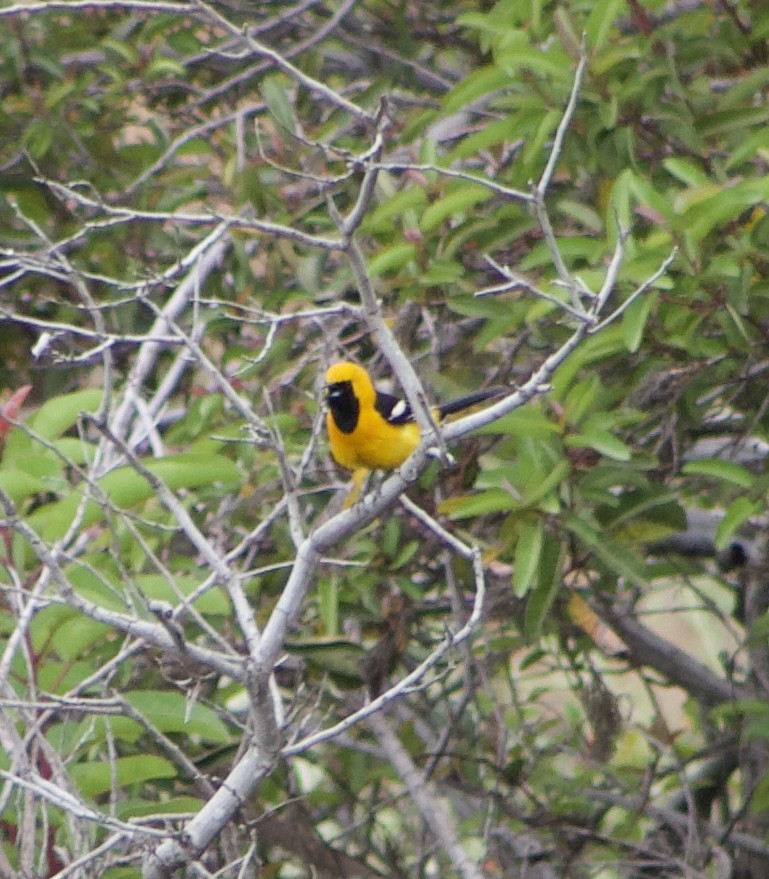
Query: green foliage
{"points": [[128, 137]]}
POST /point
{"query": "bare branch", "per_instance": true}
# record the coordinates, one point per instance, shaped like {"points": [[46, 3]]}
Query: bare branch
{"points": [[120, 215], [563, 125], [415, 677], [426, 800], [87, 5], [495, 187], [672, 662], [280, 61]]}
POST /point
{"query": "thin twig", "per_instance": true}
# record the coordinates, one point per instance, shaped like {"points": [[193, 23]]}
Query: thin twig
{"points": [[409, 681], [563, 125], [282, 63], [506, 192], [85, 5], [118, 214], [424, 798]]}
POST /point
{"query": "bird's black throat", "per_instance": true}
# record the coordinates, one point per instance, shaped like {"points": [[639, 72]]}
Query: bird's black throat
{"points": [[344, 405]]}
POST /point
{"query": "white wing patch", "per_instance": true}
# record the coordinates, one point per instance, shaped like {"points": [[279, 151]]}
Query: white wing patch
{"points": [[398, 410]]}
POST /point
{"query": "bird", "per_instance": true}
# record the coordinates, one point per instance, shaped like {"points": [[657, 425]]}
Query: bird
{"points": [[371, 430]]}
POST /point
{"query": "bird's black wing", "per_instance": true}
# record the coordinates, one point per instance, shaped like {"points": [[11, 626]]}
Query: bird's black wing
{"points": [[393, 409]]}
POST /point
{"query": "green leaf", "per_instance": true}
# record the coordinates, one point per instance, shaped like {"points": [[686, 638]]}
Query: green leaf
{"points": [[549, 579], [616, 558], [38, 138], [704, 208], [526, 421], [725, 471], [278, 103], [328, 595], [381, 219], [760, 799], [190, 471], [126, 52], [634, 321], [338, 657], [137, 808], [594, 349], [63, 677], [553, 63], [96, 585], [528, 552], [67, 634], [480, 82], [583, 214], [757, 729], [747, 148], [391, 259], [481, 21], [581, 399], [18, 484], [99, 728], [539, 488], [456, 202], [600, 21], [156, 587], [495, 500], [496, 132], [160, 68], [732, 121], [650, 504], [686, 171], [58, 415], [441, 272], [736, 515], [600, 440], [96, 778], [75, 449], [405, 555], [731, 711], [170, 712], [126, 488]]}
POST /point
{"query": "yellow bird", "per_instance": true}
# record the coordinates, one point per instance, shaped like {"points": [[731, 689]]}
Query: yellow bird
{"points": [[371, 430]]}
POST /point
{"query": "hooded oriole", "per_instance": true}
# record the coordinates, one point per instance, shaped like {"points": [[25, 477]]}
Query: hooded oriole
{"points": [[371, 430]]}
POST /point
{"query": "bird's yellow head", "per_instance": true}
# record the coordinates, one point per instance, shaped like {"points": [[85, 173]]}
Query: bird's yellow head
{"points": [[344, 377]]}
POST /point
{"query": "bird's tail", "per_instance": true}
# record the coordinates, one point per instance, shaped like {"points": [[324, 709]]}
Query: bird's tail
{"points": [[469, 400]]}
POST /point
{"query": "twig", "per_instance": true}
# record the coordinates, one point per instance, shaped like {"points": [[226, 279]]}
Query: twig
{"points": [[424, 798], [495, 187], [208, 255], [83, 5], [415, 677], [563, 125], [152, 633], [225, 575], [519, 282], [678, 820], [234, 221], [189, 135], [639, 291], [676, 665], [282, 63], [112, 842], [540, 189], [198, 833]]}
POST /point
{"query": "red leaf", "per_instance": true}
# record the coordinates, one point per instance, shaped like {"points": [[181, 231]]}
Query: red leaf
{"points": [[10, 409]]}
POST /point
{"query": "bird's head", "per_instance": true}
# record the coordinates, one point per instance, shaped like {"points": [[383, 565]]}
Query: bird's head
{"points": [[347, 382]]}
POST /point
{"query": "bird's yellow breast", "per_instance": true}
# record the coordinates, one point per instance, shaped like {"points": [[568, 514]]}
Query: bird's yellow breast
{"points": [[375, 444]]}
